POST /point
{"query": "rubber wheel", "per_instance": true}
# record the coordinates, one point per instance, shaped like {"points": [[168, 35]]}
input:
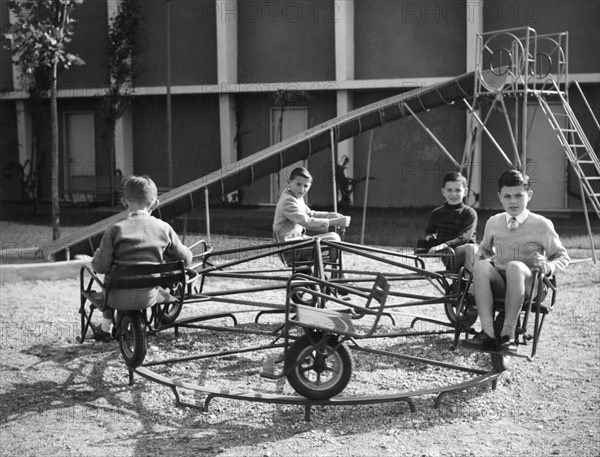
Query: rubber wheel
{"points": [[317, 375], [500, 362], [171, 312], [466, 320], [132, 340]]}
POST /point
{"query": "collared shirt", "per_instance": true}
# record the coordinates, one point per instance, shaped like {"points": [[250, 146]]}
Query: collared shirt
{"points": [[520, 218], [138, 212]]}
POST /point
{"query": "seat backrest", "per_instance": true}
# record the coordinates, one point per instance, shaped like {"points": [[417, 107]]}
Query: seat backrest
{"points": [[285, 257], [147, 275], [545, 285], [288, 257], [379, 292]]}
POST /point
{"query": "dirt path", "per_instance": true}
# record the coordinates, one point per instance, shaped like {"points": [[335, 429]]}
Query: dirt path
{"points": [[59, 398]]}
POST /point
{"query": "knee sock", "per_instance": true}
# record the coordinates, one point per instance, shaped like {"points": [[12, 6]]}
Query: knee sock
{"points": [[487, 325], [508, 329], [510, 324], [106, 324], [488, 328]]}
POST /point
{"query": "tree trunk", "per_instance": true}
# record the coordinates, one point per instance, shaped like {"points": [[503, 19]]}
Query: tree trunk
{"points": [[54, 162], [113, 166]]}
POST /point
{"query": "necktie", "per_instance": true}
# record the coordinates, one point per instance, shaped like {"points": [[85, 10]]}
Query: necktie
{"points": [[512, 224]]}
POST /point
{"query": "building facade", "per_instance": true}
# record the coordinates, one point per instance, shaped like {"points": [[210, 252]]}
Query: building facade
{"points": [[218, 80]]}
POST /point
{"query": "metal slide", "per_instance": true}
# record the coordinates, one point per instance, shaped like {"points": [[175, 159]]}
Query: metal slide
{"points": [[218, 184]]}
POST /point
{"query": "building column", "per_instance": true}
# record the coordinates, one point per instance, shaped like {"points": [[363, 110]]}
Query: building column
{"points": [[344, 70], [227, 56], [124, 143], [474, 19]]}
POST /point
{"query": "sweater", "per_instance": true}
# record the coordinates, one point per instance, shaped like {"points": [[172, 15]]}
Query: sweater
{"points": [[535, 236], [293, 217], [452, 224], [141, 238]]}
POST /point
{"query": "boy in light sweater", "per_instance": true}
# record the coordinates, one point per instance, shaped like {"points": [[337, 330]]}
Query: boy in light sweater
{"points": [[514, 242], [293, 216], [141, 238]]}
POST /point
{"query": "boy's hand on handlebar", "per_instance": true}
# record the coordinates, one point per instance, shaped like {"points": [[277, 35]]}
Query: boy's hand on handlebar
{"points": [[439, 247], [540, 262], [343, 221]]}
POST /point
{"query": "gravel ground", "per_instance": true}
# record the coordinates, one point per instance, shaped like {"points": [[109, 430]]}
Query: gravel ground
{"points": [[62, 398]]}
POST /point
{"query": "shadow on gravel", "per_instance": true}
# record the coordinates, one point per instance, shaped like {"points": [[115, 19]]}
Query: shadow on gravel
{"points": [[90, 395], [81, 384]]}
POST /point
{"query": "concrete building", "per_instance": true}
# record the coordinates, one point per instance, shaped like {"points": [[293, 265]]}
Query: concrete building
{"points": [[217, 66]]}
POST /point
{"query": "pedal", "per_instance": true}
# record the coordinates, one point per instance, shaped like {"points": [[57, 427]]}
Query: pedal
{"points": [[466, 345]]}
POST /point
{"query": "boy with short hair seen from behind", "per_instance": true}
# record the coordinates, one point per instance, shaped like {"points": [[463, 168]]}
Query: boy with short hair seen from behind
{"points": [[453, 224], [514, 243], [141, 238]]}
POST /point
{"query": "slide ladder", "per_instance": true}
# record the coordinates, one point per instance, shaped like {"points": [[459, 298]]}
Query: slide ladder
{"points": [[575, 144]]}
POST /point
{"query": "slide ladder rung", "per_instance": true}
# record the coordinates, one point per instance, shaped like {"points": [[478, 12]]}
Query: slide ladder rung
{"points": [[576, 157]]}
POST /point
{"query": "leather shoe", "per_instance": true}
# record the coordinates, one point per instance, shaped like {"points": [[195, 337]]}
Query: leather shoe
{"points": [[483, 341], [99, 334], [344, 295], [507, 344]]}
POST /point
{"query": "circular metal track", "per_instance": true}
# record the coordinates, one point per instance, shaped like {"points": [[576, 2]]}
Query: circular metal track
{"points": [[212, 391]]}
